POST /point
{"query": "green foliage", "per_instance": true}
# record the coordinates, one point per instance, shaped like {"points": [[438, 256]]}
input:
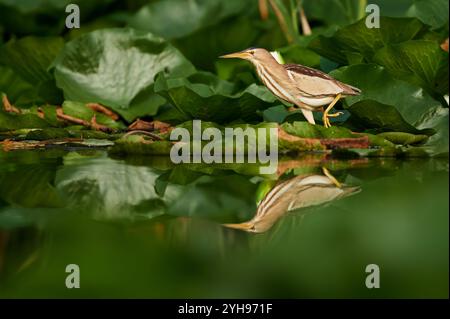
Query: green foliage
{"points": [[419, 62], [81, 111], [203, 96], [375, 115], [431, 12], [106, 66], [19, 91], [340, 12], [178, 18], [356, 38], [11, 121], [403, 102], [155, 67], [158, 60], [30, 58]]}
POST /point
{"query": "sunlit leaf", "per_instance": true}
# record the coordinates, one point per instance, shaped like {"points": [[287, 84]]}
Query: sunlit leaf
{"points": [[114, 66]]}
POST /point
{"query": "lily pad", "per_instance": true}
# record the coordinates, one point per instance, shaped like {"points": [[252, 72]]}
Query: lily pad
{"points": [[410, 101], [211, 99], [30, 58], [19, 91], [334, 11], [370, 114], [114, 66], [420, 62], [431, 12], [178, 18], [357, 38], [404, 138]]}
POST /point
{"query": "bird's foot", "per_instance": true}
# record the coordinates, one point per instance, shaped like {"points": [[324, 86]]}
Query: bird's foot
{"points": [[325, 118]]}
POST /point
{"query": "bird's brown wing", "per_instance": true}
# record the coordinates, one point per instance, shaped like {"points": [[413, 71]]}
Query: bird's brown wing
{"points": [[317, 83]]}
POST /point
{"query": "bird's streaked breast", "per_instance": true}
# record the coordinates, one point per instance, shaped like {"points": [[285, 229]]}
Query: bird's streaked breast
{"points": [[271, 83]]}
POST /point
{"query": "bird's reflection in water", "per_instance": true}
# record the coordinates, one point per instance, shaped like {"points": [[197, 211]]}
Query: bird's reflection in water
{"points": [[298, 192]]}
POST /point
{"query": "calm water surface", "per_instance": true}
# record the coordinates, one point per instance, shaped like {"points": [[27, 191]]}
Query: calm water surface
{"points": [[141, 227]]}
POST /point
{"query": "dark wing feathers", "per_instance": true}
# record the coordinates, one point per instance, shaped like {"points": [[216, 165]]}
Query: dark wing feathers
{"points": [[307, 71]]}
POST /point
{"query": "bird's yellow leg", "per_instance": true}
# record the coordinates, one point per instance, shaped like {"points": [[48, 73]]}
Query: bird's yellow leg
{"points": [[326, 121], [327, 173]]}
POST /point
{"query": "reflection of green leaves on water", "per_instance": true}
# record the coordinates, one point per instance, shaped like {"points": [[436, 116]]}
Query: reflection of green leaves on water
{"points": [[32, 186], [108, 189]]}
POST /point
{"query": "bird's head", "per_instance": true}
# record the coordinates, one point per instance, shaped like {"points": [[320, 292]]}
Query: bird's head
{"points": [[250, 54], [249, 226]]}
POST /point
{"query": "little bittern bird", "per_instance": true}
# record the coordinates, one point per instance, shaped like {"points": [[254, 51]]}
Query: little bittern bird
{"points": [[307, 88]]}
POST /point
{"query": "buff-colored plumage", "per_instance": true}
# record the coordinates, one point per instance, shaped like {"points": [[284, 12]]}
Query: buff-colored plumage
{"points": [[307, 88]]}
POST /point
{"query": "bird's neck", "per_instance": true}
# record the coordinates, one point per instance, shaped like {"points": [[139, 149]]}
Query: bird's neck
{"points": [[273, 68]]}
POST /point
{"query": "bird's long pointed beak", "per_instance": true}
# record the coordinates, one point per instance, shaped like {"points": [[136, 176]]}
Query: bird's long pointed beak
{"points": [[239, 55], [247, 226]]}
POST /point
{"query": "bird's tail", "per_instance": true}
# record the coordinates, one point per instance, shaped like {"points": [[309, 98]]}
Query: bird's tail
{"points": [[308, 115]]}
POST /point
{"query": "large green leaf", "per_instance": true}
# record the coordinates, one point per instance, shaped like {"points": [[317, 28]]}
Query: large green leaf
{"points": [[409, 100], [370, 114], [19, 91], [420, 62], [431, 12], [358, 39], [339, 12], [205, 97], [397, 8], [115, 66], [30, 58], [178, 18]]}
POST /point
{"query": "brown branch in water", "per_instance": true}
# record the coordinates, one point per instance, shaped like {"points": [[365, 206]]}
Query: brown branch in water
{"points": [[263, 9], [40, 113], [306, 143], [92, 124], [9, 145], [162, 127], [102, 109], [343, 143], [140, 125], [326, 143], [8, 107], [304, 22]]}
